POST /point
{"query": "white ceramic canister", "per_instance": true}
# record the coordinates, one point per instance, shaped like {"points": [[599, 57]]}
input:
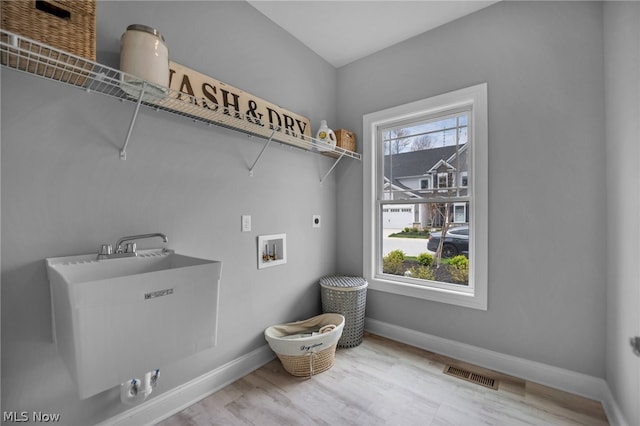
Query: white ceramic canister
{"points": [[144, 54]]}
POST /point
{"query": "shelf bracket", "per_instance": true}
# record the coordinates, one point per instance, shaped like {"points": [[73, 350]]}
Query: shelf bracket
{"points": [[332, 167], [264, 148], [123, 151]]}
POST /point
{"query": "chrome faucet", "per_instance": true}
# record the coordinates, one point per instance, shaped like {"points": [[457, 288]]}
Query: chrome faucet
{"points": [[119, 248], [129, 249]]}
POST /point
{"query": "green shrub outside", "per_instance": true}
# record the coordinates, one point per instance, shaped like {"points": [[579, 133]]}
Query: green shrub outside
{"points": [[425, 259], [459, 261], [392, 262], [459, 268], [422, 272]]}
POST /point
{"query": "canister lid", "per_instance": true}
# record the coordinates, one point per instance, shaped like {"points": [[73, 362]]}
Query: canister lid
{"points": [[146, 29], [344, 282]]}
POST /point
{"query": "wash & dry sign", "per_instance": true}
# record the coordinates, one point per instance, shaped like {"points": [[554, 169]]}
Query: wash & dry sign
{"points": [[211, 94]]}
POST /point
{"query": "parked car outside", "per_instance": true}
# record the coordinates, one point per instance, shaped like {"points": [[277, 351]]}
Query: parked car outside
{"points": [[455, 242]]}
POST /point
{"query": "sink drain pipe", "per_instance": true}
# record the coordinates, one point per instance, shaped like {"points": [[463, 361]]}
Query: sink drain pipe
{"points": [[133, 392]]}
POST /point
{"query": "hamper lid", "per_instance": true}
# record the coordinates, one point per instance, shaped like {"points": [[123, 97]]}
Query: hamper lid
{"points": [[342, 281]]}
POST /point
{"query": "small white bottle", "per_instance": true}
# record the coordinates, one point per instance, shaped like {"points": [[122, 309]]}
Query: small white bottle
{"points": [[326, 135]]}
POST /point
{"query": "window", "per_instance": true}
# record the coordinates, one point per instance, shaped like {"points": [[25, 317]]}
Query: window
{"points": [[431, 155], [464, 179], [460, 214], [443, 179]]}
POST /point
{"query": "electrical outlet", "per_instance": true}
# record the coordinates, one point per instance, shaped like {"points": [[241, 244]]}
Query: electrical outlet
{"points": [[316, 221], [246, 223]]}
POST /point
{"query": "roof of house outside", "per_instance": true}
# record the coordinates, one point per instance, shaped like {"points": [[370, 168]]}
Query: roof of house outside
{"points": [[415, 163]]}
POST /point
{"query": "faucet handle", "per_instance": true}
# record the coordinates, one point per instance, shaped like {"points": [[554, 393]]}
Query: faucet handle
{"points": [[130, 248], [106, 249]]}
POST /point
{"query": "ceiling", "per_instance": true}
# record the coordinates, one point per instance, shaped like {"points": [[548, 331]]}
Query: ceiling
{"points": [[344, 31]]}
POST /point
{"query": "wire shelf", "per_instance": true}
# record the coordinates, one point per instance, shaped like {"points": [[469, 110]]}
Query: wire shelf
{"points": [[30, 56]]}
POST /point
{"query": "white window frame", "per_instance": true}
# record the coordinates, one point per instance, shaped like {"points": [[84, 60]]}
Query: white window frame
{"points": [[426, 179], [464, 212], [463, 177], [444, 175], [476, 293]]}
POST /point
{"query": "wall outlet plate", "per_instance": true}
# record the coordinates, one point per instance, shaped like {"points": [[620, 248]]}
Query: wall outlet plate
{"points": [[246, 223], [316, 221]]}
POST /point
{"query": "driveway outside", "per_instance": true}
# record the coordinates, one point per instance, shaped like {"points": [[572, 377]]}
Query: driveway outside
{"points": [[410, 246]]}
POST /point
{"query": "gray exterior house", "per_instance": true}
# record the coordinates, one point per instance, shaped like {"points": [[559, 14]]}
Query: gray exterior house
{"points": [[414, 175]]}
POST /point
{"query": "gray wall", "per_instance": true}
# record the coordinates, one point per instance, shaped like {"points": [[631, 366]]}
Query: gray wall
{"points": [[622, 77], [65, 191], [543, 63]]}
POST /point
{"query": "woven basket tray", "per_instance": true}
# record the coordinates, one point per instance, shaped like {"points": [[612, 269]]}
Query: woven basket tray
{"points": [[302, 350], [309, 364]]}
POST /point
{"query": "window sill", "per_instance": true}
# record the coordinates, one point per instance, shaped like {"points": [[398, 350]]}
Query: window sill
{"points": [[460, 298]]}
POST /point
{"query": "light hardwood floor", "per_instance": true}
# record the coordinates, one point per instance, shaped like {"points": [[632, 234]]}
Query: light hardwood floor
{"points": [[382, 382]]}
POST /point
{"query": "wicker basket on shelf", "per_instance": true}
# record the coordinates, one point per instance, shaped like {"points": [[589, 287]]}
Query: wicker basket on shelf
{"points": [[346, 139], [67, 25]]}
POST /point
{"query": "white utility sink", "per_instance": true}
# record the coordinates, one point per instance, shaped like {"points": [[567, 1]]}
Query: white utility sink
{"points": [[115, 319]]}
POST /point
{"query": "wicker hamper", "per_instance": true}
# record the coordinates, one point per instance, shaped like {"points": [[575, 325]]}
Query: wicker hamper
{"points": [[67, 25], [346, 139], [306, 347], [346, 296]]}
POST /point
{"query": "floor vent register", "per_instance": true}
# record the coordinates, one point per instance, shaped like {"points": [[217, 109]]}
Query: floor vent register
{"points": [[472, 377]]}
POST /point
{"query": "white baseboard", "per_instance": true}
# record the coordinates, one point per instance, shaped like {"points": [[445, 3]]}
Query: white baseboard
{"points": [[179, 398], [611, 408], [544, 374]]}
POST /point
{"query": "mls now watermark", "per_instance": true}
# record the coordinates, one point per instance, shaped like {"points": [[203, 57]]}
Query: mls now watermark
{"points": [[29, 416]]}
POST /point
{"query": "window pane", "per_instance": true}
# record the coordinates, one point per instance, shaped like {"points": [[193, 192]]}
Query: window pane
{"points": [[426, 134], [460, 214], [441, 172], [411, 242], [462, 134], [426, 158]]}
